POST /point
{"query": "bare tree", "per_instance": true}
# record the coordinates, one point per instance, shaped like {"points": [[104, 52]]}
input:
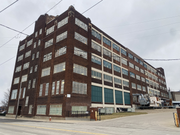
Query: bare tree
{"points": [[5, 101]]}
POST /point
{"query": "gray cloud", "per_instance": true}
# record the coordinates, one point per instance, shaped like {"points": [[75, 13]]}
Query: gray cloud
{"points": [[129, 22]]}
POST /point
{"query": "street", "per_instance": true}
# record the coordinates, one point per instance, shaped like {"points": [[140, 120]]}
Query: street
{"points": [[155, 122]]}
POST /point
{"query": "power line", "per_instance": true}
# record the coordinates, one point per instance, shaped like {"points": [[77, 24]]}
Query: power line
{"points": [[162, 59], [28, 26], [92, 7], [7, 60], [14, 29], [54, 6], [8, 6]]}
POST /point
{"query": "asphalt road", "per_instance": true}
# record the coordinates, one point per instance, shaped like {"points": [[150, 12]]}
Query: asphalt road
{"points": [[158, 123]]}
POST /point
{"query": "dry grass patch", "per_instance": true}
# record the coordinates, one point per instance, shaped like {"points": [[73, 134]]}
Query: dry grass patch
{"points": [[121, 114]]}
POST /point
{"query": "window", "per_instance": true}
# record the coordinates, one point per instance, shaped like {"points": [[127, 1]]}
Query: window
{"points": [[137, 68], [60, 52], [116, 47], [142, 71], [106, 41], [21, 47], [55, 110], [24, 92], [141, 62], [79, 109], [96, 46], [31, 70], [133, 85], [59, 67], [144, 88], [123, 52], [26, 65], [95, 74], [124, 72], [136, 59], [20, 57], [40, 31], [57, 87], [40, 90], [108, 95], [37, 55], [147, 81], [107, 64], [47, 57], [27, 100], [33, 56], [81, 24], [142, 79], [27, 54], [41, 109], [48, 43], [11, 109], [95, 59], [96, 94], [53, 88], [132, 75], [106, 52], [16, 80], [62, 87], [35, 68], [29, 42], [79, 88], [125, 83], [39, 42], [107, 78], [80, 38], [50, 30], [62, 22], [80, 52], [96, 34], [139, 87], [30, 109], [45, 72], [116, 57], [29, 84], [24, 78], [61, 37], [137, 77], [14, 94], [34, 83], [130, 56], [36, 33], [18, 69], [145, 65], [127, 98], [46, 89], [119, 98], [131, 65], [117, 81], [117, 69], [124, 61], [80, 69]]}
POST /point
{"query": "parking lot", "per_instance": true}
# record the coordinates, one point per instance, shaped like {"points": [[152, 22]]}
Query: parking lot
{"points": [[156, 122]]}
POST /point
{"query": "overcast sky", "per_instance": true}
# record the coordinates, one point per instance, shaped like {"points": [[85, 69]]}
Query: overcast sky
{"points": [[150, 28]]}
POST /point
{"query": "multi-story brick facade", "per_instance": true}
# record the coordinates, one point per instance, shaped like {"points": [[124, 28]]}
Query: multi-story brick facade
{"points": [[68, 64]]}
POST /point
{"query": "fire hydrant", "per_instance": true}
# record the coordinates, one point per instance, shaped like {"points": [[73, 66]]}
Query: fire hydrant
{"points": [[49, 118]]}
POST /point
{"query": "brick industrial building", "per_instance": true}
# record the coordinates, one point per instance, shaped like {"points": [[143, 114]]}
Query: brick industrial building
{"points": [[69, 64]]}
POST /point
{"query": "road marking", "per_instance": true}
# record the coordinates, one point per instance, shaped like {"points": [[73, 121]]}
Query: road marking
{"points": [[56, 129]]}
